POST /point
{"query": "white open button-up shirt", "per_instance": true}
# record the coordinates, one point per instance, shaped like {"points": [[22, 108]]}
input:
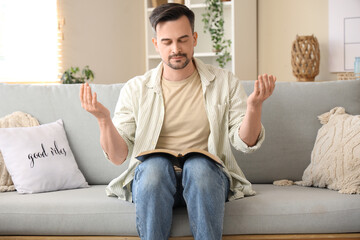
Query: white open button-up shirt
{"points": [[139, 116]]}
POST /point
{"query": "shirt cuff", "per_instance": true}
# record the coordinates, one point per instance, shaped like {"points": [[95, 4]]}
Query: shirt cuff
{"points": [[128, 144], [244, 147]]}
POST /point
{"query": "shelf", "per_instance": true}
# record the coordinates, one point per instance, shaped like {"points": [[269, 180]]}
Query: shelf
{"points": [[197, 5], [203, 5], [206, 54], [153, 57], [209, 54]]}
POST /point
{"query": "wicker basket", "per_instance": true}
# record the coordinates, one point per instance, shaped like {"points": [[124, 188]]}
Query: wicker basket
{"points": [[305, 58], [156, 3]]}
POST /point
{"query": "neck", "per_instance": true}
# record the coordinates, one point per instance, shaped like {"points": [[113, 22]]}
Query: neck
{"points": [[178, 74]]}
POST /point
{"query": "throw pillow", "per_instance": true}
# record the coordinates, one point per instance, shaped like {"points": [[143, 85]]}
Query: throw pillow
{"points": [[16, 119], [39, 159], [335, 159]]}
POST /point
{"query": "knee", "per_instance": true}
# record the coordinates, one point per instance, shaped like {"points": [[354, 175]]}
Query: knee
{"points": [[200, 172], [202, 177], [154, 171]]}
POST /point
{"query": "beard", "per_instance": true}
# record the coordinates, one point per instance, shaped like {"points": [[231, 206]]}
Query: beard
{"points": [[179, 65]]}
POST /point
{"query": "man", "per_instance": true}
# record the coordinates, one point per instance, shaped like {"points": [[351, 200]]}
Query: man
{"points": [[181, 104]]}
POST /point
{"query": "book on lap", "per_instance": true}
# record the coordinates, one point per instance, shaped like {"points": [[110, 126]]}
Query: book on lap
{"points": [[178, 158]]}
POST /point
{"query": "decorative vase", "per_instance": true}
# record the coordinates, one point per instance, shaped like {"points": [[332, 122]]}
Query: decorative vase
{"points": [[156, 3], [179, 1], [305, 58]]}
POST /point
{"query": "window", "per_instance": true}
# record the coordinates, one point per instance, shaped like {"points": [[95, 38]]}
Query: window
{"points": [[29, 45]]}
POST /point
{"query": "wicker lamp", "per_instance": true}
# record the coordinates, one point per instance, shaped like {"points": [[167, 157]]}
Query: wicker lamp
{"points": [[305, 58]]}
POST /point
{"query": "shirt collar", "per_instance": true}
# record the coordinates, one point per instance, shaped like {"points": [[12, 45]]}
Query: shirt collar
{"points": [[206, 75]]}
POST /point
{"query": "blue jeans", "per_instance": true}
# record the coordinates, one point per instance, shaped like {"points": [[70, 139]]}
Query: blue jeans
{"points": [[202, 187]]}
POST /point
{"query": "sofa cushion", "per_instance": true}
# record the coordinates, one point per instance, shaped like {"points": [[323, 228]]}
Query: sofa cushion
{"points": [[335, 161], [274, 210], [39, 158], [85, 211]]}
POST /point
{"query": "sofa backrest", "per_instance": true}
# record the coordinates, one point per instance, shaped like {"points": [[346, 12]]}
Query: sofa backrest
{"points": [[49, 103], [291, 125], [289, 117]]}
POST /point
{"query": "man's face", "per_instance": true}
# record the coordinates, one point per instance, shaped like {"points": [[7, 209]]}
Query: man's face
{"points": [[175, 42]]}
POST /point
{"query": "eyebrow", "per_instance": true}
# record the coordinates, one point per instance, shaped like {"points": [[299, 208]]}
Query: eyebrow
{"points": [[168, 39]]}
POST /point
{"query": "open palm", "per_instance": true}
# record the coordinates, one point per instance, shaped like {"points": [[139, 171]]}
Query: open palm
{"points": [[89, 103], [263, 88]]}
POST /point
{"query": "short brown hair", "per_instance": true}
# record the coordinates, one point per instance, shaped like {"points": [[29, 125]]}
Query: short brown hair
{"points": [[171, 12]]}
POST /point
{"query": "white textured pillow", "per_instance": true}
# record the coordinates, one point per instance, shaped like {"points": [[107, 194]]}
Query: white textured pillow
{"points": [[335, 159], [39, 159]]}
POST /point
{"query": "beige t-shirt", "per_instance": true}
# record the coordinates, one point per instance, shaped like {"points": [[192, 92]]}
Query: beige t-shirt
{"points": [[185, 123]]}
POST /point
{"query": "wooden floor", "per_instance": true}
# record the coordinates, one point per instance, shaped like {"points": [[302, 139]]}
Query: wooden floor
{"points": [[349, 236]]}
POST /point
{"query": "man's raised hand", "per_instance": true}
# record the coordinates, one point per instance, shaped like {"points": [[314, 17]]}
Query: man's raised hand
{"points": [[89, 103], [263, 88]]}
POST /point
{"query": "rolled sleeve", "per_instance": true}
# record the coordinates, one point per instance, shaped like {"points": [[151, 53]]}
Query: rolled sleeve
{"points": [[240, 145], [238, 105], [124, 119], [129, 143]]}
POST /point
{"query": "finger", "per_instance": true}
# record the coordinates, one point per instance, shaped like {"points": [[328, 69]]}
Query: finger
{"points": [[256, 87], [88, 95], [262, 85], [81, 93], [94, 99], [274, 82], [271, 83], [85, 93], [266, 84]]}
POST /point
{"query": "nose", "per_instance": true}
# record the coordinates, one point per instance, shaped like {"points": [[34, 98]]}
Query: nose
{"points": [[176, 48]]}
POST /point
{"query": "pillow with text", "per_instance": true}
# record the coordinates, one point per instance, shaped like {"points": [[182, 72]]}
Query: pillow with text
{"points": [[39, 159]]}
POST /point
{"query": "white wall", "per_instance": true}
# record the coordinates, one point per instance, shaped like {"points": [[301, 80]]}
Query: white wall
{"points": [[279, 21], [107, 35], [245, 44]]}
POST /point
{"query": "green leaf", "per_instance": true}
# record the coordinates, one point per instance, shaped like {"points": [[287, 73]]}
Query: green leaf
{"points": [[70, 75]]}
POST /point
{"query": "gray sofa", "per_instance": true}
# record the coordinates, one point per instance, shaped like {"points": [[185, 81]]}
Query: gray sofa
{"points": [[290, 120]]}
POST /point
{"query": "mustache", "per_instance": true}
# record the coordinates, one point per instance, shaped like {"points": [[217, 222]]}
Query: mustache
{"points": [[178, 55]]}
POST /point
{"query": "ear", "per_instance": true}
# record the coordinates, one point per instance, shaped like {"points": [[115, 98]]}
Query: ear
{"points": [[154, 41], [195, 37]]}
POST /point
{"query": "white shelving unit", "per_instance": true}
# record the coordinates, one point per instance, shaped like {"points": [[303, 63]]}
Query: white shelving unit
{"points": [[203, 50]]}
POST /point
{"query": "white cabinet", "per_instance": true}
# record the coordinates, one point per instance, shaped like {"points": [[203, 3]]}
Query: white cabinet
{"points": [[243, 41]]}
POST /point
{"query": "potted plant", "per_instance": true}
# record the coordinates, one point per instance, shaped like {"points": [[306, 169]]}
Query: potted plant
{"points": [[214, 23], [73, 75]]}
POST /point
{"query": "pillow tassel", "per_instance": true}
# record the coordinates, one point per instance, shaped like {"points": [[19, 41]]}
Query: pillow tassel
{"points": [[325, 117]]}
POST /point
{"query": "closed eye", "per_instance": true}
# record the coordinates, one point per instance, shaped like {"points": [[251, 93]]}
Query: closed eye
{"points": [[166, 42], [183, 40]]}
